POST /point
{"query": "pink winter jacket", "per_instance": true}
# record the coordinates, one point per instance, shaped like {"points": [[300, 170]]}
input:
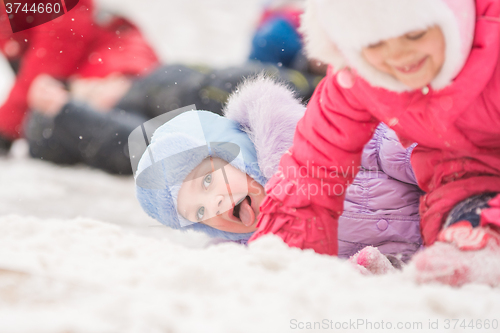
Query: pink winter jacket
{"points": [[457, 130]]}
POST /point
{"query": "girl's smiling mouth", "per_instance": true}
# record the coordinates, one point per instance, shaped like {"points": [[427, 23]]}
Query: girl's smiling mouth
{"points": [[412, 68]]}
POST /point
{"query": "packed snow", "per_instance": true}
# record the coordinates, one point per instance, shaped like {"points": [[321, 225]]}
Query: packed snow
{"points": [[77, 253]]}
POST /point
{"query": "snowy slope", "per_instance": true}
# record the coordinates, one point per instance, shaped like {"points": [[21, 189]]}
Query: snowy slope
{"points": [[82, 275], [77, 254]]}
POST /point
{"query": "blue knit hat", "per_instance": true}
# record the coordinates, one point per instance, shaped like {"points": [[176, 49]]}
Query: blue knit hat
{"points": [[176, 148], [276, 41]]}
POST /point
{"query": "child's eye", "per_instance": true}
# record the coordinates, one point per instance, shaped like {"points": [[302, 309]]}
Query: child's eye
{"points": [[207, 180], [200, 213], [416, 35], [374, 46]]}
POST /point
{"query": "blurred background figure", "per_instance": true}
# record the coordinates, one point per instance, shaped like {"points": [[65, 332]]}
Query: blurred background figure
{"points": [[86, 118], [81, 44], [277, 39]]}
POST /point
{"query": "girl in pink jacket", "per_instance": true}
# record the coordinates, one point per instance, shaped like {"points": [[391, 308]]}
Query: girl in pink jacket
{"points": [[430, 70]]}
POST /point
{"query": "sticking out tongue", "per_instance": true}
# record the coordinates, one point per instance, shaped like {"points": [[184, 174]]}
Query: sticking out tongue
{"points": [[247, 216]]}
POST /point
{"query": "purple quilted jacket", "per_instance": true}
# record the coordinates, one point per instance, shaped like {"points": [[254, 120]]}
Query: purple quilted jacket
{"points": [[381, 206]]}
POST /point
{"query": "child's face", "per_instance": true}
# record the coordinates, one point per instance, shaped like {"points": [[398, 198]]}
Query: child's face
{"points": [[414, 59], [209, 197]]}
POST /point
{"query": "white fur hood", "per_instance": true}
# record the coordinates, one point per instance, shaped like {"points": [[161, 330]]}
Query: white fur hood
{"points": [[268, 112], [336, 30]]}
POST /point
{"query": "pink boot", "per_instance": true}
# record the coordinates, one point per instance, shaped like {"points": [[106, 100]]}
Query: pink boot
{"points": [[464, 254]]}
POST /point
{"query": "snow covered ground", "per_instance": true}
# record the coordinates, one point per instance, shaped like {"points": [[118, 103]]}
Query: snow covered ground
{"points": [[77, 254]]}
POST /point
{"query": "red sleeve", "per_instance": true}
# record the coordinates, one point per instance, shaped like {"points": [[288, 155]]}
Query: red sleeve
{"points": [[305, 197], [55, 48]]}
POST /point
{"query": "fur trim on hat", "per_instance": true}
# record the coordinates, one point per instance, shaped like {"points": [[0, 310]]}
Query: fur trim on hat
{"points": [[316, 40], [268, 112], [337, 30]]}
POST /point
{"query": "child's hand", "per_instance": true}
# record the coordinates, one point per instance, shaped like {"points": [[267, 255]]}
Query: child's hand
{"points": [[464, 254], [47, 95], [101, 93]]}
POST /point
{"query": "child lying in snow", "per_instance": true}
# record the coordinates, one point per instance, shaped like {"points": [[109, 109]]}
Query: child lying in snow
{"points": [[206, 172], [430, 70]]}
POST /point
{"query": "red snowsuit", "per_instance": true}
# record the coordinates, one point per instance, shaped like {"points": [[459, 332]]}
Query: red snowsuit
{"points": [[458, 153], [72, 44]]}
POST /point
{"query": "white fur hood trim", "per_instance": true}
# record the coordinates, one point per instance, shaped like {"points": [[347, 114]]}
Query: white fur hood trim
{"points": [[337, 30], [268, 112]]}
